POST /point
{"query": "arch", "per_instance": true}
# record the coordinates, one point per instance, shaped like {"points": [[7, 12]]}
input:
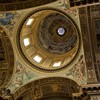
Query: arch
{"points": [[6, 59], [50, 88]]}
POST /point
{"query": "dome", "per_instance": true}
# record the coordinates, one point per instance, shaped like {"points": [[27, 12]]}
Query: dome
{"points": [[57, 34], [49, 39]]}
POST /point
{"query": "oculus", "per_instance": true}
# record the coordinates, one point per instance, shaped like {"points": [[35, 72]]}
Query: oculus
{"points": [[61, 31]]}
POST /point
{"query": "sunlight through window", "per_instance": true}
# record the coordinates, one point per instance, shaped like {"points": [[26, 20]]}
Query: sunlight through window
{"points": [[26, 41], [37, 58], [57, 64], [29, 22]]}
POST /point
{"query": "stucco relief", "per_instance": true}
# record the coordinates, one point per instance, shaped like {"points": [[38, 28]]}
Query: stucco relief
{"points": [[78, 72]]}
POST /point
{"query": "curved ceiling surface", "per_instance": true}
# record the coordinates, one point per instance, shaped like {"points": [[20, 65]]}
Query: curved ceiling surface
{"points": [[6, 59], [48, 39], [56, 33], [51, 88]]}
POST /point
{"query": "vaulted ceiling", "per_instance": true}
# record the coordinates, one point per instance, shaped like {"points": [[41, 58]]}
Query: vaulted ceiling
{"points": [[47, 41]]}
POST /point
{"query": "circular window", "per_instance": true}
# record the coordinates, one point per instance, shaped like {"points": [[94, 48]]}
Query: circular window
{"points": [[48, 39], [61, 31]]}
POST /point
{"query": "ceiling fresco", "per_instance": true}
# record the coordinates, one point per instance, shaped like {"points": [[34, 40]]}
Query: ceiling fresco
{"points": [[52, 38], [7, 20], [24, 72]]}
